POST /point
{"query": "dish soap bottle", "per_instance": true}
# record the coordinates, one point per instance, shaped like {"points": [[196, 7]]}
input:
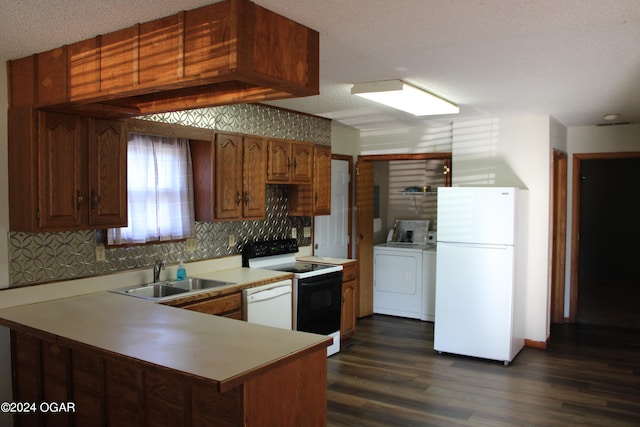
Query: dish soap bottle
{"points": [[182, 272]]}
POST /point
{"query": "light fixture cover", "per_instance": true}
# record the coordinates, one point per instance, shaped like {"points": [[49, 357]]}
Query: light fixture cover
{"points": [[403, 96]]}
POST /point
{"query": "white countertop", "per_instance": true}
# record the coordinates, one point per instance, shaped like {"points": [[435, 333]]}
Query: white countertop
{"points": [[212, 347]]}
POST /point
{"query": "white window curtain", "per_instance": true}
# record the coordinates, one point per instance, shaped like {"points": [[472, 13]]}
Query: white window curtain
{"points": [[159, 191]]}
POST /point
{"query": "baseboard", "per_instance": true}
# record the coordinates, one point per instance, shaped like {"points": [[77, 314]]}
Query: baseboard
{"points": [[535, 344]]}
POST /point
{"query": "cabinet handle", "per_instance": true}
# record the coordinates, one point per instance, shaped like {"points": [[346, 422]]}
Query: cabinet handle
{"points": [[288, 164], [238, 197], [295, 163], [79, 199], [94, 200], [246, 197]]}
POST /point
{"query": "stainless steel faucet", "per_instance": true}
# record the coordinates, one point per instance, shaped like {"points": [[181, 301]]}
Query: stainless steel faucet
{"points": [[159, 265]]}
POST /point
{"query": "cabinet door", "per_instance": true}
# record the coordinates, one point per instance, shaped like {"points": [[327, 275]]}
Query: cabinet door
{"points": [[302, 162], [278, 161], [322, 180], [107, 162], [254, 158], [61, 156], [228, 176], [348, 321]]}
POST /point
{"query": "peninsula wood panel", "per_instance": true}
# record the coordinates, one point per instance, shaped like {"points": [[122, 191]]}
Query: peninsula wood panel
{"points": [[127, 392]]}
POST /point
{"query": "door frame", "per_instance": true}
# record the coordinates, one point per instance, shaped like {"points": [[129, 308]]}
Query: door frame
{"points": [[558, 236], [364, 238], [446, 156], [575, 219]]}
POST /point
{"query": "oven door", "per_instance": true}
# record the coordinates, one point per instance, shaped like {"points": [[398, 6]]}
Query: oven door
{"points": [[319, 301]]}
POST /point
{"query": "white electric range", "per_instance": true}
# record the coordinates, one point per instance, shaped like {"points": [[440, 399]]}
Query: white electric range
{"points": [[317, 288]]}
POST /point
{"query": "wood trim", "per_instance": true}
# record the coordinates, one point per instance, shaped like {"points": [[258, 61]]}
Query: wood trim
{"points": [[535, 344], [575, 220], [558, 254], [169, 129]]}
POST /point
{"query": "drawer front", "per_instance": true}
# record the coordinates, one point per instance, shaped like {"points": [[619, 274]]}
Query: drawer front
{"points": [[218, 305], [349, 272]]}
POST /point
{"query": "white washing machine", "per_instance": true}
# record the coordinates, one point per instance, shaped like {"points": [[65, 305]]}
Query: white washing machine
{"points": [[404, 280]]}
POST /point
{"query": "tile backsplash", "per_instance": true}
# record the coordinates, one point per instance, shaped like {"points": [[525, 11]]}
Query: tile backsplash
{"points": [[44, 257]]}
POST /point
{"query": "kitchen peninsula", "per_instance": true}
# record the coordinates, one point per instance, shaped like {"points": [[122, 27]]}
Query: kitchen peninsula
{"points": [[127, 361]]}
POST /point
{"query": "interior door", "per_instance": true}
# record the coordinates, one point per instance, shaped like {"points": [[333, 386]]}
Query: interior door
{"points": [[331, 232], [364, 233]]}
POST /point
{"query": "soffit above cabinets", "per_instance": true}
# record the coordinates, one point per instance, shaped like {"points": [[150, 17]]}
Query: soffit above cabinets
{"points": [[225, 53]]}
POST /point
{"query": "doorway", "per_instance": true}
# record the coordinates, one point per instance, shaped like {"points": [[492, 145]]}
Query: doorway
{"points": [[605, 281], [365, 211], [332, 233]]}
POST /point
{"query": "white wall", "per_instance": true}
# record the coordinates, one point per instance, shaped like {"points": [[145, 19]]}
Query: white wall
{"points": [[514, 151], [499, 151], [432, 138], [344, 140], [593, 139]]}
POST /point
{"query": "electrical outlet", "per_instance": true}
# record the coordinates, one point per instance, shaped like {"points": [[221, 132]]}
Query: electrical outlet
{"points": [[190, 244], [294, 233], [232, 240], [100, 255], [306, 232]]}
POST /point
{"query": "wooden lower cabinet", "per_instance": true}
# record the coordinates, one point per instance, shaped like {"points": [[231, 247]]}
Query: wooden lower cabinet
{"points": [[109, 389], [226, 306], [349, 301]]}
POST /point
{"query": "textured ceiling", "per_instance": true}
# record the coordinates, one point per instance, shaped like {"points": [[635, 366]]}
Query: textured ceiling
{"points": [[575, 60]]}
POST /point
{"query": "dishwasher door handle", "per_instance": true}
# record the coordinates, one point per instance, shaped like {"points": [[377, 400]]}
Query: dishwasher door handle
{"points": [[268, 294]]}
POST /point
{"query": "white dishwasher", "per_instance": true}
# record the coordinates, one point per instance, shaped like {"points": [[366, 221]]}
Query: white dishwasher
{"points": [[269, 305]]}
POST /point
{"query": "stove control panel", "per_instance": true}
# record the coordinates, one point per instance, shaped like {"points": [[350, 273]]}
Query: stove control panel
{"points": [[268, 248]]}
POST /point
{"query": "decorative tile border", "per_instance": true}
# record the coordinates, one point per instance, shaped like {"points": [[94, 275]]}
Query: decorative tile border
{"points": [[44, 257]]}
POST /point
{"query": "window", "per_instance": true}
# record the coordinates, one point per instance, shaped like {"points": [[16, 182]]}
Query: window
{"points": [[159, 191]]}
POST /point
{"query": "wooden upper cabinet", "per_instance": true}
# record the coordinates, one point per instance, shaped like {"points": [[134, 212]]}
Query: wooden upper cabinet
{"points": [[314, 198], [62, 176], [289, 162], [322, 180], [229, 178], [66, 172], [254, 166], [302, 162], [107, 163], [278, 161], [229, 52]]}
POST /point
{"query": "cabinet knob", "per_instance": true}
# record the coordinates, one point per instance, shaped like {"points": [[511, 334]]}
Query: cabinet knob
{"points": [[80, 199]]}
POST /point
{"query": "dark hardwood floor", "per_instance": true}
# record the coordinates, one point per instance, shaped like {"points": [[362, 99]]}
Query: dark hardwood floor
{"points": [[390, 376]]}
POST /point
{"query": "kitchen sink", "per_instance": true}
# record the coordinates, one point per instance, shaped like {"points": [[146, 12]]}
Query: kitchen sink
{"points": [[193, 284], [152, 291], [161, 290]]}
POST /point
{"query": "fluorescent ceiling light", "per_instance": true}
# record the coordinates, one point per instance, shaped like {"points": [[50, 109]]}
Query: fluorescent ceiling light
{"points": [[405, 97]]}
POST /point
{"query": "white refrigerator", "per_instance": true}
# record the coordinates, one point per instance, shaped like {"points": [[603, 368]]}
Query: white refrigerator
{"points": [[479, 272]]}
